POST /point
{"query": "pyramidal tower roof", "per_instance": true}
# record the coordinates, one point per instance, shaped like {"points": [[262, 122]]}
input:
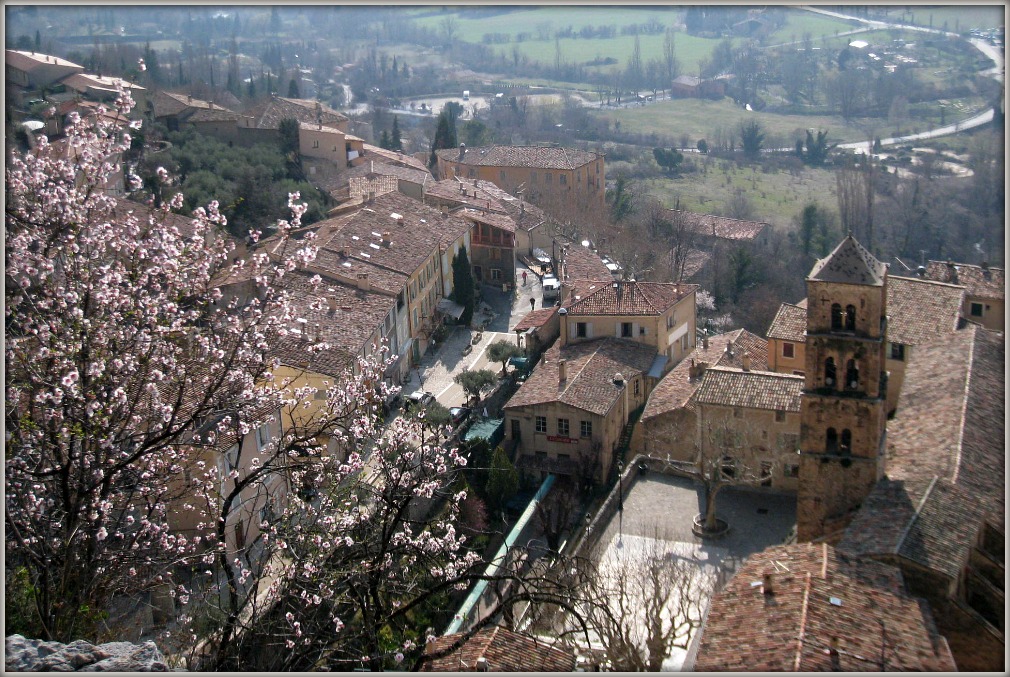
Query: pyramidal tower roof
{"points": [[849, 263]]}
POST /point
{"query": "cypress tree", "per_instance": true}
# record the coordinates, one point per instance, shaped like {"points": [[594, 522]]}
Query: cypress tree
{"points": [[462, 285]]}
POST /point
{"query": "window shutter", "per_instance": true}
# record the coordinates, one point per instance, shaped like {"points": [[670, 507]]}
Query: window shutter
{"points": [[589, 330], [617, 329]]}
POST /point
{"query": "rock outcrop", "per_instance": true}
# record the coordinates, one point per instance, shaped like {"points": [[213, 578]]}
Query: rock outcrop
{"points": [[36, 655]]}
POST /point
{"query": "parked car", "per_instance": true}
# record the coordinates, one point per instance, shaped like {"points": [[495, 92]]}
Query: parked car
{"points": [[458, 414], [416, 399]]}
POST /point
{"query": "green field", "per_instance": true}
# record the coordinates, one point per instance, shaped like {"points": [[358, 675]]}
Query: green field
{"points": [[776, 196], [960, 18], [690, 50], [698, 118]]}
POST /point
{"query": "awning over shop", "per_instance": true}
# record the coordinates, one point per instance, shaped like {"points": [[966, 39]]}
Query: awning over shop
{"points": [[449, 307], [656, 370]]}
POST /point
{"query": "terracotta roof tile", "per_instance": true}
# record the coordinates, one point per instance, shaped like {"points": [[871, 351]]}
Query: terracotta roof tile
{"points": [[721, 227], [391, 156], [535, 319], [504, 651], [732, 387], [849, 263], [675, 389], [388, 169], [590, 369], [627, 298], [346, 329], [269, 114], [793, 628], [945, 458], [790, 324], [975, 279], [583, 264], [543, 157], [921, 310]]}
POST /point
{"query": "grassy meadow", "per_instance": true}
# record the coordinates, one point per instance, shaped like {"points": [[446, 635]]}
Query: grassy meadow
{"points": [[775, 195]]}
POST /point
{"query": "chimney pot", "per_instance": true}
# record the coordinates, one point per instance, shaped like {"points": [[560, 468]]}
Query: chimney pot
{"points": [[704, 342], [363, 283], [562, 372], [767, 584], [745, 361]]}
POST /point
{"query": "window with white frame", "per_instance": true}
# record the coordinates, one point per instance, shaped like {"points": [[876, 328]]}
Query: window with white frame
{"points": [[541, 424], [563, 427]]}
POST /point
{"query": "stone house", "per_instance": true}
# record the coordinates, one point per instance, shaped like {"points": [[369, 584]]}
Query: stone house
{"points": [[985, 287], [563, 180], [657, 314], [569, 415], [668, 426], [750, 418]]}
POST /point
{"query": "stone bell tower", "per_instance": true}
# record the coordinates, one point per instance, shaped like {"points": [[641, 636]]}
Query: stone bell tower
{"points": [[843, 406]]}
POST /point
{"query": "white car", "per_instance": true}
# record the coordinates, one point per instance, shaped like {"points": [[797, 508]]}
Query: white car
{"points": [[551, 288]]}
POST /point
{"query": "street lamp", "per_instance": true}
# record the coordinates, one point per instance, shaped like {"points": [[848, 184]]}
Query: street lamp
{"points": [[620, 504]]}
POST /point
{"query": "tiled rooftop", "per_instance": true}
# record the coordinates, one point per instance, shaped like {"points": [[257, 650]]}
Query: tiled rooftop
{"points": [[583, 264], [27, 61], [535, 319], [411, 239], [504, 651], [790, 324], [721, 227], [627, 298], [675, 389], [849, 263], [392, 156], [269, 114], [388, 169], [81, 81], [543, 157], [346, 328], [945, 457], [921, 310], [590, 370], [819, 594], [985, 283], [732, 387], [500, 221]]}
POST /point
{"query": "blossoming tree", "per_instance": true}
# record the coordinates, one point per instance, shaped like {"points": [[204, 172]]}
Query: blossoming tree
{"points": [[126, 362]]}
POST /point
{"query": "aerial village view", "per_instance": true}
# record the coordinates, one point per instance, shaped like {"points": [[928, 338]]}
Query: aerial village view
{"points": [[538, 338]]}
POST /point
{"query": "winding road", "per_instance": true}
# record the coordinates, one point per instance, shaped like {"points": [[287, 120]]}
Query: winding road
{"points": [[990, 51]]}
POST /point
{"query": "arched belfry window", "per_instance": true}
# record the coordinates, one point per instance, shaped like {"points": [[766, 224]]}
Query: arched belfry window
{"points": [[846, 443], [850, 318], [831, 442], [829, 371], [851, 375], [836, 316]]}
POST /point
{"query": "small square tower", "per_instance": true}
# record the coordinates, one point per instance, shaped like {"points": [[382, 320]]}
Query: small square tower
{"points": [[843, 406]]}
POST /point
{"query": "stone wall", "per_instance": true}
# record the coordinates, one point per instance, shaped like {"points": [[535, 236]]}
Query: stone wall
{"points": [[36, 655]]}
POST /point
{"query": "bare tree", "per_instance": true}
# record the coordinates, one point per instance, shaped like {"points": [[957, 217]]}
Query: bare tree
{"points": [[855, 199], [724, 457], [649, 595]]}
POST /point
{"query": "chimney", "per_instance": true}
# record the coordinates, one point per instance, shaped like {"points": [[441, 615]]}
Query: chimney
{"points": [[445, 210], [836, 664], [952, 270], [363, 283], [767, 585], [462, 151], [332, 303], [745, 361], [562, 372], [692, 371], [371, 197], [704, 342], [986, 273], [920, 271], [475, 185], [482, 665], [702, 366], [385, 240], [619, 379], [729, 348], [522, 207]]}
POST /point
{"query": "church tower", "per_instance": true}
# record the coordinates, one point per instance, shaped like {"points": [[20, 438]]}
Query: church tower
{"points": [[843, 406]]}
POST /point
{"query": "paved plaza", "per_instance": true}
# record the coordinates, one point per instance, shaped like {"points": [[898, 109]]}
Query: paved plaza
{"points": [[664, 506]]}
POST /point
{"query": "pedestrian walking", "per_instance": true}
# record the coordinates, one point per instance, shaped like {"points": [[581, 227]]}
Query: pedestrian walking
{"points": [[524, 278], [533, 303]]}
